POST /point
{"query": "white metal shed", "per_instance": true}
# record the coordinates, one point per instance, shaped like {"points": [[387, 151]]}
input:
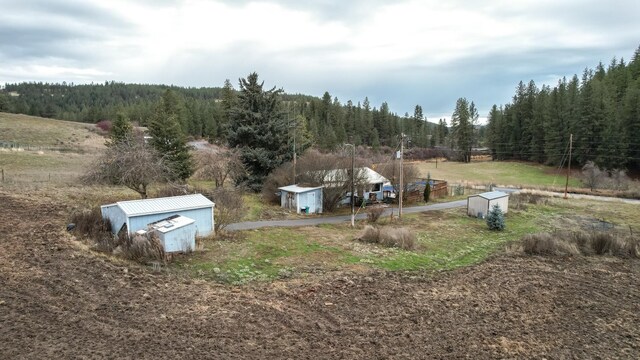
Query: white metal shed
{"points": [[300, 198], [177, 233], [479, 205], [138, 214]]}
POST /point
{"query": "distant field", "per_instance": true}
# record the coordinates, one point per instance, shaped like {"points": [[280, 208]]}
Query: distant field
{"points": [[497, 172], [45, 150], [36, 131]]}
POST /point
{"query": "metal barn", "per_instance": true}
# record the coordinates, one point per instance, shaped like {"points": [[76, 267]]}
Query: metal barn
{"points": [[479, 205], [302, 199], [138, 214]]}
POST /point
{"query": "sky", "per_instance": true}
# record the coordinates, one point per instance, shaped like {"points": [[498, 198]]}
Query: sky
{"points": [[405, 52]]}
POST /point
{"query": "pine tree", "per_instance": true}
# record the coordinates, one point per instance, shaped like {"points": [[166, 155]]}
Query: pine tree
{"points": [[462, 127], [427, 189], [258, 127], [121, 129], [168, 139], [228, 102], [495, 218]]}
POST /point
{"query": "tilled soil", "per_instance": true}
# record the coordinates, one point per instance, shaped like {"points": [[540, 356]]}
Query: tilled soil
{"points": [[60, 300]]}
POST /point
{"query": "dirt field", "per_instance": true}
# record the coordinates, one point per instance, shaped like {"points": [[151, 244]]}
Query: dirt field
{"points": [[59, 300]]}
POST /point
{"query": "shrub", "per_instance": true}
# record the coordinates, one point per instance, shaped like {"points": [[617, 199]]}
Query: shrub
{"points": [[104, 125], [390, 237], [546, 244], [374, 213], [142, 248], [398, 237], [370, 234], [229, 206], [564, 244], [91, 225], [495, 218]]}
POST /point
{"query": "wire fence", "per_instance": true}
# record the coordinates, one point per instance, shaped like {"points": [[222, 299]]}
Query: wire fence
{"points": [[16, 146]]}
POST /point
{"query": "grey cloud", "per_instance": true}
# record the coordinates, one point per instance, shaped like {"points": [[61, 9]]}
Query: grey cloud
{"points": [[83, 12], [347, 12]]}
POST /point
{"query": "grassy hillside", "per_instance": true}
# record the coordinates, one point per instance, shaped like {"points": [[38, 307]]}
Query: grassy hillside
{"points": [[34, 149]]}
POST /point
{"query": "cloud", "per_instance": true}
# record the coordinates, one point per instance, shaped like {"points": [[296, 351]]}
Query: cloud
{"points": [[403, 52]]}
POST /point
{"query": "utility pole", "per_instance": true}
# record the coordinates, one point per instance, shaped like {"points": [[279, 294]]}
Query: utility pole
{"points": [[401, 185], [353, 184], [294, 152], [566, 185]]}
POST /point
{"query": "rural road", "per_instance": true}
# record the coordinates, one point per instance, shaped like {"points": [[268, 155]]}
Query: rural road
{"points": [[249, 225]]}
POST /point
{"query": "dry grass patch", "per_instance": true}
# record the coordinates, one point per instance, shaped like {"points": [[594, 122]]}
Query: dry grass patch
{"points": [[390, 237], [580, 243]]}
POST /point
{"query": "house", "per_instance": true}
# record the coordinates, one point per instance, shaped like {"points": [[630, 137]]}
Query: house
{"points": [[177, 233], [480, 204], [303, 199], [137, 215], [370, 189]]}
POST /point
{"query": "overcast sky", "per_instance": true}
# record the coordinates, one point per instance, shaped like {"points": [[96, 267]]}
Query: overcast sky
{"points": [[428, 52]]}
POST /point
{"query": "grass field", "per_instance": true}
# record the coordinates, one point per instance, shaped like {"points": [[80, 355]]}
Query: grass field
{"points": [[40, 132], [497, 172], [45, 150], [445, 239]]}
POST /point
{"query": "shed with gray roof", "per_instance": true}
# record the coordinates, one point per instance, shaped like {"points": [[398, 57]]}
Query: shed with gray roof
{"points": [[479, 205], [301, 199]]}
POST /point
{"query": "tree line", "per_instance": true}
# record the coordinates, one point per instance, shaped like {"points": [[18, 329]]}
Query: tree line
{"points": [[601, 109], [203, 112]]}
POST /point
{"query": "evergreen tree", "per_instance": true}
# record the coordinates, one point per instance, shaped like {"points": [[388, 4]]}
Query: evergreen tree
{"points": [[168, 139], [121, 129], [462, 127], [495, 218], [427, 189], [258, 127]]}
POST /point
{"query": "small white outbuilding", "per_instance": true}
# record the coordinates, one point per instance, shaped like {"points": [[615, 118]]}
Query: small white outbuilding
{"points": [[136, 215], [479, 205], [301, 199]]}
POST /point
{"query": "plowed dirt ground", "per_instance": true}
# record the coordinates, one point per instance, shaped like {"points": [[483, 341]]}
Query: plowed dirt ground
{"points": [[60, 300]]}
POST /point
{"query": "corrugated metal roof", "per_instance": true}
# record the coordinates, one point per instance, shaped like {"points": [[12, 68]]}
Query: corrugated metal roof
{"points": [[493, 195], [172, 223], [298, 189], [166, 204]]}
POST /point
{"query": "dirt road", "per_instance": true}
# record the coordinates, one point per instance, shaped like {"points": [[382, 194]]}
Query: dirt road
{"points": [[59, 300]]}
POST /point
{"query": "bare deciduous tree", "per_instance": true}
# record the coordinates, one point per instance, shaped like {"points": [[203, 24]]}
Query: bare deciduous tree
{"points": [[391, 171], [592, 175], [229, 206], [219, 166], [129, 163], [332, 171]]}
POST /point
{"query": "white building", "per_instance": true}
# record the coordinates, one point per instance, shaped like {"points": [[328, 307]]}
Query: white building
{"points": [[479, 205]]}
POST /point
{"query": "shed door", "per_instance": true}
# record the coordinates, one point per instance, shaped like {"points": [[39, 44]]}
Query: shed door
{"points": [[311, 200]]}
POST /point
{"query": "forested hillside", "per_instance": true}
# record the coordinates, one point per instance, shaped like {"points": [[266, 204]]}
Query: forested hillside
{"points": [[324, 121], [601, 109]]}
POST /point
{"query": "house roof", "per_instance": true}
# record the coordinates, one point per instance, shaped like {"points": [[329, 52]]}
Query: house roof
{"points": [[162, 205], [171, 223], [493, 195], [370, 176], [298, 189]]}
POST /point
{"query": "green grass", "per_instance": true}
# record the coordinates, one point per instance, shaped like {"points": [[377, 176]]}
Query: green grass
{"points": [[445, 240], [497, 172], [263, 256]]}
